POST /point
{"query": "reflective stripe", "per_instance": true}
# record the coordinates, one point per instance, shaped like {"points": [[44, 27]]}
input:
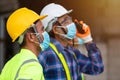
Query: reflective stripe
{"points": [[82, 75], [61, 57], [25, 79], [25, 62]]}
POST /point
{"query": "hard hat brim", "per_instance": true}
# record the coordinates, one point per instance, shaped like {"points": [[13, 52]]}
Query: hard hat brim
{"points": [[68, 12], [42, 17]]}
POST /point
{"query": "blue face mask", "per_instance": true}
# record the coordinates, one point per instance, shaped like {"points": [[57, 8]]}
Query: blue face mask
{"points": [[45, 44], [71, 31], [80, 41]]}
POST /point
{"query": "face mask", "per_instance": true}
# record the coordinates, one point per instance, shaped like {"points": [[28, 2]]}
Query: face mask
{"points": [[80, 41], [45, 44], [71, 31]]}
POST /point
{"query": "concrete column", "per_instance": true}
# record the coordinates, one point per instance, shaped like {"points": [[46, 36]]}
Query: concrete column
{"points": [[114, 59]]}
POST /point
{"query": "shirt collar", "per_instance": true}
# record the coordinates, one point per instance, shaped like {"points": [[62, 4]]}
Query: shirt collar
{"points": [[28, 52]]}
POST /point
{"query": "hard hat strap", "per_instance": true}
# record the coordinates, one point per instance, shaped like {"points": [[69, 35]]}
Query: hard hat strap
{"points": [[52, 21], [20, 39], [50, 24]]}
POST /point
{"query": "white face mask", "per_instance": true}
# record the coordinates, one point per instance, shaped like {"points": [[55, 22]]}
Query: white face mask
{"points": [[71, 31]]}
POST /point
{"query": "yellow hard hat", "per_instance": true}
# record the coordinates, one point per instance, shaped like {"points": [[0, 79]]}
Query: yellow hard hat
{"points": [[20, 20]]}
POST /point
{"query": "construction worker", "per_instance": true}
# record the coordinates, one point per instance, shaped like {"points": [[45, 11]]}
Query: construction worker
{"points": [[61, 61], [24, 26]]}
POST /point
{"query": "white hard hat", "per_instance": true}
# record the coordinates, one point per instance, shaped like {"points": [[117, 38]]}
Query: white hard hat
{"points": [[53, 11]]}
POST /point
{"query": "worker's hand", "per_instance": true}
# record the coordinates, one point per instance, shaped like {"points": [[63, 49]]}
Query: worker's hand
{"points": [[86, 35]]}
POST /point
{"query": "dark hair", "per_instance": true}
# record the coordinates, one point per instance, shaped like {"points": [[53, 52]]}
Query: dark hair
{"points": [[51, 33]]}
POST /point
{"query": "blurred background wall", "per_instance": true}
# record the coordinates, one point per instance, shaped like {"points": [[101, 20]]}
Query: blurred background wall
{"points": [[103, 16]]}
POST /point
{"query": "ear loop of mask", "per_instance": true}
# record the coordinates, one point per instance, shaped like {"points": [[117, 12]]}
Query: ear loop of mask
{"points": [[55, 21], [21, 38], [60, 26], [36, 32]]}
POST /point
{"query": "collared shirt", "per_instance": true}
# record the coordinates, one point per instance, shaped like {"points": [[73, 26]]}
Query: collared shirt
{"points": [[53, 68], [28, 71]]}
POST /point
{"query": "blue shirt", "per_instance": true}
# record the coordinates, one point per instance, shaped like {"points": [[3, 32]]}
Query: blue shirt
{"points": [[53, 69]]}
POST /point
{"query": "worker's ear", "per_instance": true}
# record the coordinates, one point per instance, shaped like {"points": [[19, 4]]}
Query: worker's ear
{"points": [[54, 29], [30, 37]]}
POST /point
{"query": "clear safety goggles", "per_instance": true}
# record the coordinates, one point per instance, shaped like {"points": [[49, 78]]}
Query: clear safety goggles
{"points": [[67, 20]]}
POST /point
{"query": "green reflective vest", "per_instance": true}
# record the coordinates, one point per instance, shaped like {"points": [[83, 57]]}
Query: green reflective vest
{"points": [[61, 57], [23, 66]]}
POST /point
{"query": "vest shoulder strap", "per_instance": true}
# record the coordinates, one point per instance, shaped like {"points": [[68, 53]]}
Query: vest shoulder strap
{"points": [[62, 59], [82, 75], [25, 62]]}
